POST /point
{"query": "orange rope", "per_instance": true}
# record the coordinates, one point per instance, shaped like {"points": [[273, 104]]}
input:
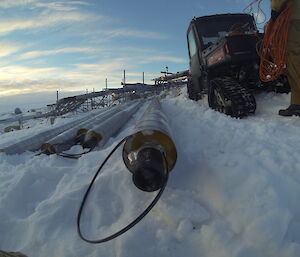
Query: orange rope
{"points": [[273, 48]]}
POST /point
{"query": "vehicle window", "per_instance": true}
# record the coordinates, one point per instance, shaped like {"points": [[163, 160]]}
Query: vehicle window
{"points": [[212, 29], [192, 43]]}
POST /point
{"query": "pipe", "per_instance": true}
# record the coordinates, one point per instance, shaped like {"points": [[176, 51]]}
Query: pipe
{"points": [[80, 135], [66, 139], [110, 127], [34, 142], [76, 134], [150, 152]]}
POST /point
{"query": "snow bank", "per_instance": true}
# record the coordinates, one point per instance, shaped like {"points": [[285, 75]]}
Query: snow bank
{"points": [[247, 174], [233, 192]]}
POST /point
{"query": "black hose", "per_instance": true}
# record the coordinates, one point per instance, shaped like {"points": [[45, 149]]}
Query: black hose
{"points": [[135, 221], [66, 155]]}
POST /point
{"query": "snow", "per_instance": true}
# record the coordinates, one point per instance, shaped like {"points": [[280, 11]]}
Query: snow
{"points": [[233, 192]]}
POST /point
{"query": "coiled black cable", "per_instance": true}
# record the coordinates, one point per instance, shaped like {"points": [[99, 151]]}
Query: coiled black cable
{"points": [[135, 221]]}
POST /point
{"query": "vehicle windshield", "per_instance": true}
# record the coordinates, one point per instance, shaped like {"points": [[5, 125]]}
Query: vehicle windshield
{"points": [[212, 28]]}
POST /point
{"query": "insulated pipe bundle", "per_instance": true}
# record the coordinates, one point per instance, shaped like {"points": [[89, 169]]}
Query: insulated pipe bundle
{"points": [[83, 130], [70, 137], [33, 143], [150, 152], [109, 127], [66, 139]]}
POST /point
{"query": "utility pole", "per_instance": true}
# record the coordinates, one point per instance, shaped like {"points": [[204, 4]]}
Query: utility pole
{"points": [[107, 97], [124, 84], [143, 78], [166, 72], [56, 113], [87, 100], [124, 78]]}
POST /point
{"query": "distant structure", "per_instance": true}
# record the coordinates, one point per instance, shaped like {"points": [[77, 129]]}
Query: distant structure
{"points": [[178, 78], [18, 111]]}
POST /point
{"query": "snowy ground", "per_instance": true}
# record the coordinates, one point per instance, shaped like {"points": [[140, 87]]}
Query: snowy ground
{"points": [[233, 192]]}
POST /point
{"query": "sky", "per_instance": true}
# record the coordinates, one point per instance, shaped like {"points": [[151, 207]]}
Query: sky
{"points": [[73, 46]]}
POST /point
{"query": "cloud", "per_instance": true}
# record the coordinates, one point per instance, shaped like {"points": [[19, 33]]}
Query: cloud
{"points": [[7, 48], [15, 88], [161, 59], [16, 79], [22, 79], [35, 54], [15, 3], [165, 59], [53, 5], [109, 66], [44, 20], [62, 6], [124, 32], [112, 58], [18, 73]]}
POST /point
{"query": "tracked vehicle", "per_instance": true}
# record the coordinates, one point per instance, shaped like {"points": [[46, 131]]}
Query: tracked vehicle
{"points": [[224, 63]]}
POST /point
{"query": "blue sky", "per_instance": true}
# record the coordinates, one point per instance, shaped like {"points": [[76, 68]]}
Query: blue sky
{"points": [[74, 45]]}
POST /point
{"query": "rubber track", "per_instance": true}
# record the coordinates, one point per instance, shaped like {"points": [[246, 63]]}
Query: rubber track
{"points": [[243, 102], [193, 95], [190, 91]]}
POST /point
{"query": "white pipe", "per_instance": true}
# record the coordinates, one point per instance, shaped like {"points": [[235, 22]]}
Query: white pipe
{"points": [[34, 142], [100, 133], [66, 139]]}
